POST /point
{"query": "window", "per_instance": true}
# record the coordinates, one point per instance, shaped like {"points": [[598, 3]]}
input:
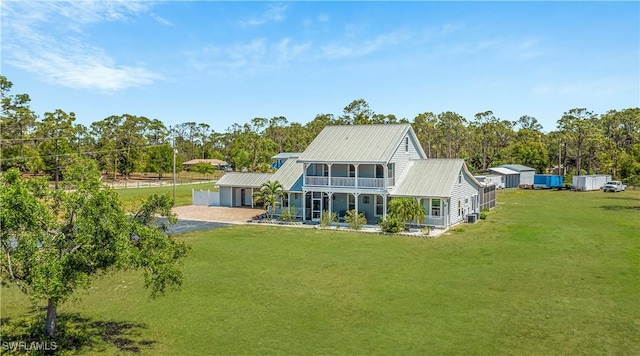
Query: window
{"points": [[351, 202], [325, 170], [406, 144], [392, 168], [459, 208], [285, 200], [435, 207], [365, 199], [352, 170], [460, 178], [379, 206]]}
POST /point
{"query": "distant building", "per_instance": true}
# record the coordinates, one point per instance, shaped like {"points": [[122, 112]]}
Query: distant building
{"points": [[219, 164]]}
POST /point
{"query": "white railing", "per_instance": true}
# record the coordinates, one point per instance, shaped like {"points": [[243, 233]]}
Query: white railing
{"points": [[434, 221], [370, 182], [348, 182], [316, 180], [343, 182]]}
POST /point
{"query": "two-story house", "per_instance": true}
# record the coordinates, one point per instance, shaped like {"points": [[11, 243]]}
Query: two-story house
{"points": [[362, 167]]}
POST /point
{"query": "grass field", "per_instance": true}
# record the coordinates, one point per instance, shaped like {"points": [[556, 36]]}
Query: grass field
{"points": [[549, 272], [133, 196]]}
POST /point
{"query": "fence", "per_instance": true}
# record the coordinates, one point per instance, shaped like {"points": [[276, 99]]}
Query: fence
{"points": [[205, 198]]}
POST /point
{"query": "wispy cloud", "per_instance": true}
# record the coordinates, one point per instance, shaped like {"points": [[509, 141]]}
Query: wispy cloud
{"points": [[65, 56], [248, 57], [520, 48], [353, 48], [275, 13]]}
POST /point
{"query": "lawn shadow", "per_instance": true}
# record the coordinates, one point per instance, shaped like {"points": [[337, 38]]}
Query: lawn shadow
{"points": [[619, 207], [73, 334], [623, 198]]}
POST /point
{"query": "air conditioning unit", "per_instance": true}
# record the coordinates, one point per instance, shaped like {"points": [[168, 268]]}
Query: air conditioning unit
{"points": [[471, 219]]}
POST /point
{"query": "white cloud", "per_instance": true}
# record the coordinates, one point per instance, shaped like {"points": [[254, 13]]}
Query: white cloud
{"points": [[48, 40], [273, 14]]}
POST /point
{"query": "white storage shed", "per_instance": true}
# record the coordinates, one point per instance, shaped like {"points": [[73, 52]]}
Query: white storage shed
{"points": [[589, 182]]}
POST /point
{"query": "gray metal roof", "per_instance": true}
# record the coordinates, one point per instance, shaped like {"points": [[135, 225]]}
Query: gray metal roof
{"points": [[285, 155], [517, 167], [238, 179], [355, 143], [503, 170], [290, 176], [430, 178]]}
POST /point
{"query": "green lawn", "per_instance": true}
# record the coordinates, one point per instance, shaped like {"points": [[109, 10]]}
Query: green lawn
{"points": [[132, 196], [548, 272]]}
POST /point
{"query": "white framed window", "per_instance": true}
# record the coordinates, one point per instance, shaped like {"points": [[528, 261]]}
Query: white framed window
{"points": [[352, 170], [406, 144], [351, 202], [436, 210], [460, 178], [460, 208]]}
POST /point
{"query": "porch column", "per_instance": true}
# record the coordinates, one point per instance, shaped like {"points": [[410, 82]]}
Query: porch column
{"points": [[304, 175], [288, 199], [330, 194], [356, 195], [384, 206], [251, 198], [385, 174], [356, 183], [304, 208], [329, 169]]}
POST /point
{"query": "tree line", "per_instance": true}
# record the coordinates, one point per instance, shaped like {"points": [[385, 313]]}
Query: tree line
{"points": [[582, 143]]}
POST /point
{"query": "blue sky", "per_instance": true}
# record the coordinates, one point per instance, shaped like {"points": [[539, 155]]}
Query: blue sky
{"points": [[228, 62]]}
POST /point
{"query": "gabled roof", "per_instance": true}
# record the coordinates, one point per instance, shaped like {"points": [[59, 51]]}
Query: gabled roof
{"points": [[517, 167], [503, 170], [356, 143], [286, 155], [430, 178], [290, 176], [245, 180]]}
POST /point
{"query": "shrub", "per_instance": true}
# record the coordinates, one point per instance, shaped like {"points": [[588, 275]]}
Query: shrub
{"points": [[288, 214], [483, 215], [391, 225], [355, 220], [426, 230], [326, 218]]}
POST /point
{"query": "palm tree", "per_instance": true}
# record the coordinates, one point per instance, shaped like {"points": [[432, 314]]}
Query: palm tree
{"points": [[269, 194], [407, 210]]}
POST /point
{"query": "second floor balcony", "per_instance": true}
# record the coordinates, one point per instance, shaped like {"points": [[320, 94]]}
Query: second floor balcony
{"points": [[350, 182]]}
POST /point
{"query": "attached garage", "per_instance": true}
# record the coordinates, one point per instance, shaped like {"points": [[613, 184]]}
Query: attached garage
{"points": [[236, 189]]}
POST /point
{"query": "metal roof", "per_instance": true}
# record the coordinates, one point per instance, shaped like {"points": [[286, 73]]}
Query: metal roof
{"points": [[285, 155], [503, 171], [290, 176], [355, 143], [247, 180], [517, 167], [430, 178], [210, 161]]}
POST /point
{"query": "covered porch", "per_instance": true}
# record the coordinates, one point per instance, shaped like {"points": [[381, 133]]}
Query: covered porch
{"points": [[372, 205]]}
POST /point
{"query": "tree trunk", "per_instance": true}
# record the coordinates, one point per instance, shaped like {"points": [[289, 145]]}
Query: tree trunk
{"points": [[50, 325]]}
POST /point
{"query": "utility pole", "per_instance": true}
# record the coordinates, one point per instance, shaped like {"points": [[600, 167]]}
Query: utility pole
{"points": [[173, 146]]}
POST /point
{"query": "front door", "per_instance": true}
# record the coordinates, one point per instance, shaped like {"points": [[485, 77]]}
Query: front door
{"points": [[316, 206]]}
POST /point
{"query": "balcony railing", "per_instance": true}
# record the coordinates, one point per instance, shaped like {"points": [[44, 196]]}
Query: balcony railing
{"points": [[434, 221], [376, 183]]}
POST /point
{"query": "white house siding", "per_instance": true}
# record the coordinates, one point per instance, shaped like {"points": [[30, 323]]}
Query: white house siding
{"points": [[401, 157], [465, 191], [225, 196]]}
